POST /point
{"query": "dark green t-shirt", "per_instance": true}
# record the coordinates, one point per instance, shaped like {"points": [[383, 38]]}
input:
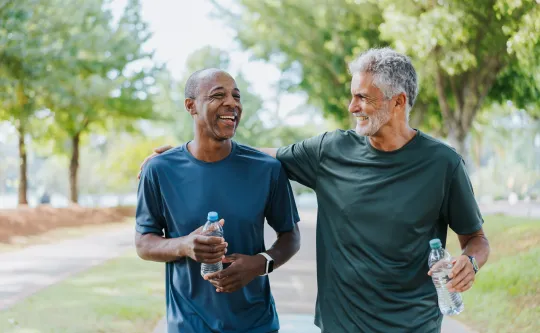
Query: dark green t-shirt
{"points": [[377, 212]]}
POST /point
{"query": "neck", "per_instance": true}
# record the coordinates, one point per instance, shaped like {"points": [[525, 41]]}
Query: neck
{"points": [[390, 138], [209, 150]]}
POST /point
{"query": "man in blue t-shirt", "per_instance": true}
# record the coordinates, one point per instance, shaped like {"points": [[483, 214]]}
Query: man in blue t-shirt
{"points": [[244, 186]]}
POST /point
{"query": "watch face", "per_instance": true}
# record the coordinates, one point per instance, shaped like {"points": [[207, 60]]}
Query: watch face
{"points": [[270, 266]]}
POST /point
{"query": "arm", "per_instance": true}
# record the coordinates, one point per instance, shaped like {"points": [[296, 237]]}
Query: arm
{"points": [[463, 215], [150, 223], [209, 250], [284, 248], [475, 245]]}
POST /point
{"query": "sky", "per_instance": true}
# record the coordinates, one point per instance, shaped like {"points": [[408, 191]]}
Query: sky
{"points": [[180, 27]]}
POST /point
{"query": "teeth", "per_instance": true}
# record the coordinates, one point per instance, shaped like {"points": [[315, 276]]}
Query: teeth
{"points": [[227, 117], [362, 117]]}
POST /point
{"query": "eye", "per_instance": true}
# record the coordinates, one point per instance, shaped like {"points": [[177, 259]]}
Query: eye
{"points": [[220, 95], [236, 96]]}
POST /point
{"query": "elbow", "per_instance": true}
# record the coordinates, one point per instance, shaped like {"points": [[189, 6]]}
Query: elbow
{"points": [[297, 239], [141, 246]]}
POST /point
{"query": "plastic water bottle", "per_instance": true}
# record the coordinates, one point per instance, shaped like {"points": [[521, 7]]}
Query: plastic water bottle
{"points": [[212, 227], [440, 261]]}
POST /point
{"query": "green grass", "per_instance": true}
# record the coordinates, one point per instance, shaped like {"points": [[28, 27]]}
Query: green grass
{"points": [[123, 295], [506, 293]]}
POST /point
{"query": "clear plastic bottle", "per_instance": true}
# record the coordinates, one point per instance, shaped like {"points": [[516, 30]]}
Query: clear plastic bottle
{"points": [[212, 227], [440, 262]]}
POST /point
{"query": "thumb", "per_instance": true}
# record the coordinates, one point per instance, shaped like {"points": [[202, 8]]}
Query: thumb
{"points": [[198, 231], [230, 259], [222, 222]]}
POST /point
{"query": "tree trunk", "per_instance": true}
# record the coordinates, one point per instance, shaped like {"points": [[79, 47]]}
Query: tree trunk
{"points": [[456, 138], [23, 180], [74, 168]]}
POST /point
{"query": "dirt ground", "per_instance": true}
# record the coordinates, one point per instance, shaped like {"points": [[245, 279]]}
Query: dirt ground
{"points": [[27, 221]]}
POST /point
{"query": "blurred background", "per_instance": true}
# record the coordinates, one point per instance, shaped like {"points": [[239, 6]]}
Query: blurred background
{"points": [[89, 88]]}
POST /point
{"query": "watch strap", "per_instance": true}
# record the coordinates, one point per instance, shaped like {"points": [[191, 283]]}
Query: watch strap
{"points": [[268, 260]]}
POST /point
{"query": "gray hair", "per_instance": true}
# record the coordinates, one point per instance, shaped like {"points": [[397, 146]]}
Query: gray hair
{"points": [[393, 73]]}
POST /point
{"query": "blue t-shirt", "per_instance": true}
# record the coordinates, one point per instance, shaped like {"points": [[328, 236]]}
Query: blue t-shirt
{"points": [[176, 192]]}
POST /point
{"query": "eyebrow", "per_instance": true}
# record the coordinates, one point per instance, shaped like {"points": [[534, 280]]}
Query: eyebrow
{"points": [[221, 87]]}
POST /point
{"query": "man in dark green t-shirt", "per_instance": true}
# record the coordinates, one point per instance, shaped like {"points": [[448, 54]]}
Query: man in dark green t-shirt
{"points": [[384, 190]]}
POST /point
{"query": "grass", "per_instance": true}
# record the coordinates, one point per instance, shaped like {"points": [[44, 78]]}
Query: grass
{"points": [[125, 294], [59, 234], [506, 293]]}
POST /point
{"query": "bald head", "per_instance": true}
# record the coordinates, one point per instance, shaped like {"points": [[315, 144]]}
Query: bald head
{"points": [[197, 78]]}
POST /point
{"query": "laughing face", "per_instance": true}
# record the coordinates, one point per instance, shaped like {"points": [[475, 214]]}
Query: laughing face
{"points": [[368, 105], [217, 108]]}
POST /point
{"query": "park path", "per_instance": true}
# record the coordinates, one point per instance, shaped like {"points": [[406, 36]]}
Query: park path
{"points": [[26, 271]]}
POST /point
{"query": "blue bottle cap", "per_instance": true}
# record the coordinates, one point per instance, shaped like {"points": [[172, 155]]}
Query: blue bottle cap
{"points": [[213, 216], [435, 243]]}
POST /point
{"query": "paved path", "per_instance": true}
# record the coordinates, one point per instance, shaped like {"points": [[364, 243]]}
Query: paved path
{"points": [[26, 271]]}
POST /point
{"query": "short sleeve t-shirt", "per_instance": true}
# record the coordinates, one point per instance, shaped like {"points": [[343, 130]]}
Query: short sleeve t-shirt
{"points": [[377, 212], [175, 194]]}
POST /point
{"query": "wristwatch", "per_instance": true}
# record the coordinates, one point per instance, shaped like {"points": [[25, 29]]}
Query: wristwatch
{"points": [[269, 263], [474, 264]]}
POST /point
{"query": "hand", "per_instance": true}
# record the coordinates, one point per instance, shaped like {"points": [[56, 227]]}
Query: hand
{"points": [[205, 249], [462, 275], [156, 152], [243, 270]]}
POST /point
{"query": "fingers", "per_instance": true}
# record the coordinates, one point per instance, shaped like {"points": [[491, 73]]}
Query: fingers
{"points": [[162, 149], [458, 266], [209, 240], [230, 259], [461, 282]]}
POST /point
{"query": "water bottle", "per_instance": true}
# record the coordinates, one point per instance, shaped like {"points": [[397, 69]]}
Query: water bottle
{"points": [[440, 262], [212, 227]]}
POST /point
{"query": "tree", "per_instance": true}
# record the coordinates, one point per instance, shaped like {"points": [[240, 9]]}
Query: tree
{"points": [[467, 49], [465, 52], [96, 92], [31, 37]]}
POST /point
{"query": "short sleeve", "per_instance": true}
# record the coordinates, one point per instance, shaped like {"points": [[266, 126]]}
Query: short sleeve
{"points": [[301, 160], [461, 210], [148, 216], [281, 212]]}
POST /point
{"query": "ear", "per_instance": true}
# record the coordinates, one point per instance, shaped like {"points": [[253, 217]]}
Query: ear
{"points": [[401, 101], [189, 103]]}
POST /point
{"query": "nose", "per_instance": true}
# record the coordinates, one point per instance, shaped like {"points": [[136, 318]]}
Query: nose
{"points": [[354, 107], [230, 101]]}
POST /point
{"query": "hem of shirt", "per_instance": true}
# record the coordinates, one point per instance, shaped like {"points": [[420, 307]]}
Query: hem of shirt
{"points": [[469, 231], [148, 230]]}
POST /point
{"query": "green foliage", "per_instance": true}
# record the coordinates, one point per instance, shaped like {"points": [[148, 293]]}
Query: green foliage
{"points": [[312, 43], [466, 52], [96, 88]]}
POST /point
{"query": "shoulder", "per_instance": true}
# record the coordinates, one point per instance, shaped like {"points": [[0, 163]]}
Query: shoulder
{"points": [[163, 161], [439, 150], [255, 156]]}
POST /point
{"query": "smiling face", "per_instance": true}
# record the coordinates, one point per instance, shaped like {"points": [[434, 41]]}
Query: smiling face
{"points": [[216, 109], [368, 105]]}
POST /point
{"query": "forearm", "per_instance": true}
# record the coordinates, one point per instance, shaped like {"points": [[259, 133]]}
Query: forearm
{"points": [[285, 247], [478, 247], [269, 151], [156, 248]]}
